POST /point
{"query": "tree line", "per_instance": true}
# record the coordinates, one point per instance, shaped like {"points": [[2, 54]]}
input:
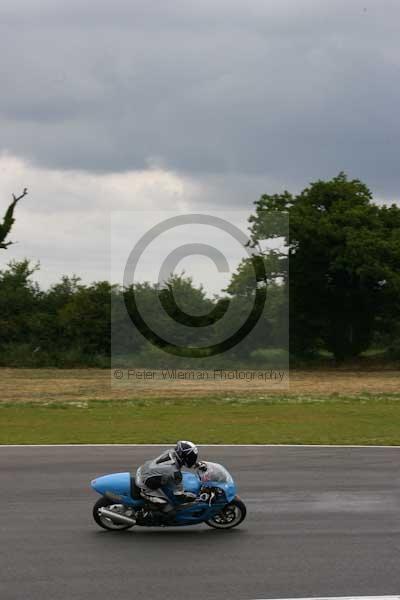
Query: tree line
{"points": [[333, 286]]}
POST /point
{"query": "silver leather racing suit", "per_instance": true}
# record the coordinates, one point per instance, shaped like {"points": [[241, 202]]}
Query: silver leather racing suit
{"points": [[164, 470]]}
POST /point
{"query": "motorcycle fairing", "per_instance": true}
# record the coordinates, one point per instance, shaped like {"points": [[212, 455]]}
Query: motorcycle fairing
{"points": [[117, 484]]}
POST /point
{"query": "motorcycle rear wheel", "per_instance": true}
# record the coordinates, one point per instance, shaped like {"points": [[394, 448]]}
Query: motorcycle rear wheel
{"points": [[231, 516], [105, 522]]}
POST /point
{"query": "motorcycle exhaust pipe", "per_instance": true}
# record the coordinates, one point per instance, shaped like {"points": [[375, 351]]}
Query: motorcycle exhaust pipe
{"points": [[116, 517]]}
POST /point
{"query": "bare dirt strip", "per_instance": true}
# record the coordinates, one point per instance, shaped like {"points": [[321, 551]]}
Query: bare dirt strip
{"points": [[42, 385]]}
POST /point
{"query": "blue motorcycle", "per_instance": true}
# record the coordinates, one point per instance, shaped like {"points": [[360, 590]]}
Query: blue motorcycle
{"points": [[123, 505]]}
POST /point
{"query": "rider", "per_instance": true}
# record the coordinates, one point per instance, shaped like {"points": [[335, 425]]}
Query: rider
{"points": [[165, 470]]}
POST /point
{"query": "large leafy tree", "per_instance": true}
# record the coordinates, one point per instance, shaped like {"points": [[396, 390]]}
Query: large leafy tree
{"points": [[344, 263], [271, 330]]}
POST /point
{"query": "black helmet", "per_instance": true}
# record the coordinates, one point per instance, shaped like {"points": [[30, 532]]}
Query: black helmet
{"points": [[187, 453]]}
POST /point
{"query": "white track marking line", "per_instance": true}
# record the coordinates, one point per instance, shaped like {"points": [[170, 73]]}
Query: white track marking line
{"points": [[339, 598], [218, 446]]}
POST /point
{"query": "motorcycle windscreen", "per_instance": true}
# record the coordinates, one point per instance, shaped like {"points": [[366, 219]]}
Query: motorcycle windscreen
{"points": [[116, 483], [216, 475]]}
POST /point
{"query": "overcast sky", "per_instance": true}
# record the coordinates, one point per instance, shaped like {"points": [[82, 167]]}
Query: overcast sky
{"points": [[185, 105]]}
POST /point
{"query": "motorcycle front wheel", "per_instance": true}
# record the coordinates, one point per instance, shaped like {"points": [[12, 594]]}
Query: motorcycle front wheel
{"points": [[106, 522], [231, 516]]}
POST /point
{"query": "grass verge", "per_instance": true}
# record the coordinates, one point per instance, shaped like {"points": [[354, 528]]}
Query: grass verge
{"points": [[363, 419]]}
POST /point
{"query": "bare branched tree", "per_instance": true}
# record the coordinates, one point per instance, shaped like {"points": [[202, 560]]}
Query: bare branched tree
{"points": [[8, 221]]}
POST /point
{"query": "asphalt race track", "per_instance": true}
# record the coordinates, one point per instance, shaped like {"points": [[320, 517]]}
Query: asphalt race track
{"points": [[321, 522]]}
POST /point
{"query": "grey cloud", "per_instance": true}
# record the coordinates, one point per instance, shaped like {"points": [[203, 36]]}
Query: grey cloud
{"points": [[278, 91]]}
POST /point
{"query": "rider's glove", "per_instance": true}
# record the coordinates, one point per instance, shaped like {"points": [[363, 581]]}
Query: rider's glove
{"points": [[189, 497], [185, 496]]}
